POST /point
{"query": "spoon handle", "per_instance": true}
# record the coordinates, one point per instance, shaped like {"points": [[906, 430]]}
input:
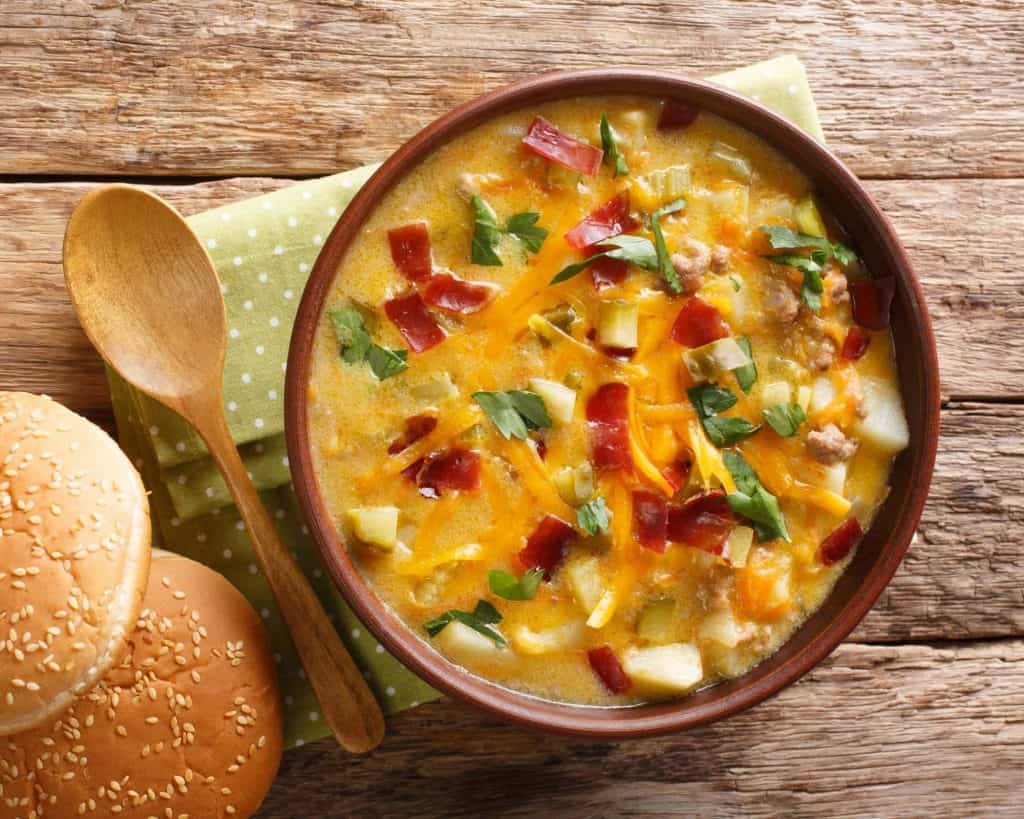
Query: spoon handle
{"points": [[349, 707]]}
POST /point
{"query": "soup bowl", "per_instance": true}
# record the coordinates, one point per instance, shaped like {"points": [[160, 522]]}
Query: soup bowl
{"points": [[879, 553]]}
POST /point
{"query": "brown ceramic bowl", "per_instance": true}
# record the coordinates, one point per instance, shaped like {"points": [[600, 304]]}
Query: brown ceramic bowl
{"points": [[879, 553]]}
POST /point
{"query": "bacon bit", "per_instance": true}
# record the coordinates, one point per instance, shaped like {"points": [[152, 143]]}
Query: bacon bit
{"points": [[838, 544], [414, 322], [608, 422], [456, 469], [605, 272], [545, 139], [608, 668], [650, 520], [675, 114], [416, 427], [410, 250], [872, 302], [703, 522], [609, 220], [856, 344], [698, 323], [677, 473], [453, 295], [545, 548]]}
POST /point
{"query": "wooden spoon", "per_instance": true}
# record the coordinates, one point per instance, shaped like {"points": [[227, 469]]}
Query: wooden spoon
{"points": [[150, 301]]}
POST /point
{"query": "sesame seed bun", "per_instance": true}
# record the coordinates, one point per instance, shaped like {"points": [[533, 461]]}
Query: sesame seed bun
{"points": [[188, 723], [74, 557]]}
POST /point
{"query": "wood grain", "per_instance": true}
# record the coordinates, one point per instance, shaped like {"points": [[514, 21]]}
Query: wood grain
{"points": [[975, 291], [916, 88], [936, 730]]}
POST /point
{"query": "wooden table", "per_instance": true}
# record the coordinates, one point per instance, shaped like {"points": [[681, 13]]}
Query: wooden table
{"points": [[922, 711]]}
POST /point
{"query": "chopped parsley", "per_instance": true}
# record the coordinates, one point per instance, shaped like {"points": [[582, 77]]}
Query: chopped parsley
{"points": [[752, 501], [784, 418], [504, 584], [665, 267], [593, 517], [612, 155], [709, 400], [785, 238], [357, 345], [629, 248], [480, 620], [514, 412], [810, 264], [487, 233], [746, 376]]}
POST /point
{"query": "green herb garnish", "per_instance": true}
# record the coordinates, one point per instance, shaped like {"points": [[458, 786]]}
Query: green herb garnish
{"points": [[709, 400], [486, 234], [784, 418], [504, 584], [629, 248], [746, 376], [480, 620], [784, 238], [514, 412], [357, 345], [593, 517], [525, 228], [753, 501], [612, 155], [665, 268]]}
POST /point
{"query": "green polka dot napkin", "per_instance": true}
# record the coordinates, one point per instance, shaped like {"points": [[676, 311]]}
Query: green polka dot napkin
{"points": [[263, 250]]}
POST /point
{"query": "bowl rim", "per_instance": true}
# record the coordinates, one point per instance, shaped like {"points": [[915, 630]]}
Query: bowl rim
{"points": [[767, 677]]}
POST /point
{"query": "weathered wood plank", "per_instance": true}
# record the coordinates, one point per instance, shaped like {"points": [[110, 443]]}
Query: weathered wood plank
{"points": [[906, 89], [976, 295], [875, 731]]}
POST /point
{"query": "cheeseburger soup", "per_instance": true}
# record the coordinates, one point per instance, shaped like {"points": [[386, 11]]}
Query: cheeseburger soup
{"points": [[601, 400]]}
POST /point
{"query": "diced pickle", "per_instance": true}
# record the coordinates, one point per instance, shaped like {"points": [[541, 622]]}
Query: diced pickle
{"points": [[438, 388], [575, 485], [720, 356], [737, 546], [559, 399], [573, 379], [657, 622], [584, 577], [777, 392], [731, 161], [561, 316], [652, 190], [808, 219]]}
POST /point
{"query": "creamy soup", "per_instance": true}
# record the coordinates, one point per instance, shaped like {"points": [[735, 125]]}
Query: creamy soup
{"points": [[602, 400]]}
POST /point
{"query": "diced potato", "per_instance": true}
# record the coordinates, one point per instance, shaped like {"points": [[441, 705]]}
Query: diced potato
{"points": [[652, 190], [778, 392], [732, 200], [823, 393], [584, 577], [657, 622], [719, 356], [737, 546], [438, 388], [721, 627], [575, 485], [673, 667], [808, 219], [463, 644], [560, 638], [731, 161], [803, 397], [558, 176], [375, 525], [835, 478], [618, 324], [559, 399], [772, 210], [885, 425]]}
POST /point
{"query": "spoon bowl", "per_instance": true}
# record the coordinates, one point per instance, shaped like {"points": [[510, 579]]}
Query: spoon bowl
{"points": [[149, 300], [122, 291]]}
